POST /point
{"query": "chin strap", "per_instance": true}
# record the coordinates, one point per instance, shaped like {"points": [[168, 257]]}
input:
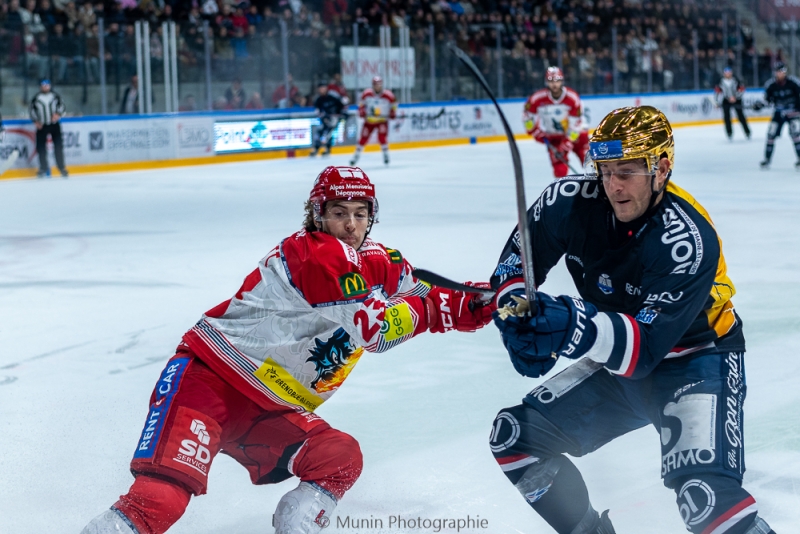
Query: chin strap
{"points": [[655, 193]]}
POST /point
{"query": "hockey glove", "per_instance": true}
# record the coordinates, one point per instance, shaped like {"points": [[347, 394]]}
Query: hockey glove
{"points": [[539, 135], [562, 326], [565, 146], [456, 310], [758, 105]]}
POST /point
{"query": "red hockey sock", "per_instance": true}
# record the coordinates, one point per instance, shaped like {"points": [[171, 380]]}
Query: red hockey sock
{"points": [[331, 459], [153, 505]]}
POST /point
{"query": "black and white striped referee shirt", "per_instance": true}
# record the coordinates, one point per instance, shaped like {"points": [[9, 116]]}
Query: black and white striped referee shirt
{"points": [[45, 105]]}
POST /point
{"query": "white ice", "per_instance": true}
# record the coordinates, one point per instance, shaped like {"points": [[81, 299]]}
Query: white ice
{"points": [[100, 275]]}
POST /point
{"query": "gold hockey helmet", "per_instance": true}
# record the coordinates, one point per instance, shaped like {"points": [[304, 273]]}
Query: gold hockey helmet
{"points": [[631, 133]]}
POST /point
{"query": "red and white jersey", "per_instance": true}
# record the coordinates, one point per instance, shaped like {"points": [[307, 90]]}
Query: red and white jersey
{"points": [[376, 108], [554, 117], [303, 318]]}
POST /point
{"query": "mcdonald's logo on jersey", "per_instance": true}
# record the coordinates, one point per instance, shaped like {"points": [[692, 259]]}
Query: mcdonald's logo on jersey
{"points": [[353, 285]]}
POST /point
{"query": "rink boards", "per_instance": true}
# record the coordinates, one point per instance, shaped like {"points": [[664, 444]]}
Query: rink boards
{"points": [[102, 144]]}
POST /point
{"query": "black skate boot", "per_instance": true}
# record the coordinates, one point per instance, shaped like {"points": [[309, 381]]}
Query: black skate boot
{"points": [[385, 158], [327, 151], [797, 165], [765, 164], [314, 152]]}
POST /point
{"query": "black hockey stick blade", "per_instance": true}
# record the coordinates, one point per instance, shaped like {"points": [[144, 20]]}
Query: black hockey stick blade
{"points": [[440, 281], [560, 157], [526, 252]]}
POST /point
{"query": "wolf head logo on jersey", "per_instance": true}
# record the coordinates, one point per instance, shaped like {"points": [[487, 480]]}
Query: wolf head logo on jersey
{"points": [[334, 359]]}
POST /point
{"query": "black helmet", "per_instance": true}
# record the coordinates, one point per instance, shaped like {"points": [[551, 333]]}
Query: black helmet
{"points": [[779, 66]]}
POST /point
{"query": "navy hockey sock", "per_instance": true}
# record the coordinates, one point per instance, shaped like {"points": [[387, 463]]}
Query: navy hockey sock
{"points": [[565, 503]]}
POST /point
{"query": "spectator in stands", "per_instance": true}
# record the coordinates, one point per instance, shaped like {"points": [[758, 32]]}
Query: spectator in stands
{"points": [[129, 105], [255, 102], [30, 18], [47, 14], [188, 104], [13, 22], [235, 95], [279, 99]]}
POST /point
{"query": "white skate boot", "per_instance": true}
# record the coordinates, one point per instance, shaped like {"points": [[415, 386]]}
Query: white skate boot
{"points": [[110, 522], [306, 509]]}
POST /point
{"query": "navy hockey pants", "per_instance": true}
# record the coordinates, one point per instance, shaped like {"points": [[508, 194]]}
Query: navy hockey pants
{"points": [[774, 131], [694, 402]]}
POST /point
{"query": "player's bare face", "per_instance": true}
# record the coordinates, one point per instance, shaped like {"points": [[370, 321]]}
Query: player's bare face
{"points": [[555, 87], [346, 220], [628, 187]]}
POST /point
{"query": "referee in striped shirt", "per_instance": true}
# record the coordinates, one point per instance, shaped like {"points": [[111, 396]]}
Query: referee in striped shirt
{"points": [[46, 111]]}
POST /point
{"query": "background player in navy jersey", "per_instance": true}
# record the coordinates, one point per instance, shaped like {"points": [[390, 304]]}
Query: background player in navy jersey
{"points": [[654, 331], [783, 92]]}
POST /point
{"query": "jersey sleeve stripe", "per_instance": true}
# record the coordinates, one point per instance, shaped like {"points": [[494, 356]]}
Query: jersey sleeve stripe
{"points": [[617, 343], [506, 288]]}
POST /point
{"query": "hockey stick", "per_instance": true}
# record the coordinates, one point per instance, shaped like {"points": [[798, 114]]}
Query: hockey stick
{"points": [[9, 162], [559, 157], [522, 206], [441, 281]]}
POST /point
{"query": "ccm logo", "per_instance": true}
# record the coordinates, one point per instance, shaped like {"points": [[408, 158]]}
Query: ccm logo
{"points": [[444, 307]]}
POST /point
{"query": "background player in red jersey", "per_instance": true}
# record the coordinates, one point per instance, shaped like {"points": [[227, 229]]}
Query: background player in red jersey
{"points": [[376, 107], [247, 378], [554, 116]]}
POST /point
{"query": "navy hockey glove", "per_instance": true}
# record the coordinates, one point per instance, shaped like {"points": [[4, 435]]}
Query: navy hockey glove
{"points": [[562, 326]]}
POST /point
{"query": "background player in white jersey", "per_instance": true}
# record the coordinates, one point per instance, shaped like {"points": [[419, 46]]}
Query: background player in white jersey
{"points": [[554, 116], [376, 106], [248, 376]]}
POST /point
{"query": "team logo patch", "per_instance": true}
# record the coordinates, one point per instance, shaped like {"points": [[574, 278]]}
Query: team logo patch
{"points": [[606, 150], [394, 255], [333, 358], [604, 283], [647, 315], [353, 285]]}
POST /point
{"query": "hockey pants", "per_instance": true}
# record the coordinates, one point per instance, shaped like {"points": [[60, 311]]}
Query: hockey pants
{"points": [[774, 131], [694, 403], [194, 415]]}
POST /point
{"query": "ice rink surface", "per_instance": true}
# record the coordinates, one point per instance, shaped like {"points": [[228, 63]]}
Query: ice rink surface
{"points": [[100, 276]]}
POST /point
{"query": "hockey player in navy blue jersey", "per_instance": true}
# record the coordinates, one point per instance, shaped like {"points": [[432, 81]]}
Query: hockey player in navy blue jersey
{"points": [[654, 332], [783, 92]]}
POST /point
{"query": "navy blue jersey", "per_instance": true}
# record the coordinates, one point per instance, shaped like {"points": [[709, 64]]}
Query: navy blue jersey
{"points": [[329, 105], [784, 96], [662, 289]]}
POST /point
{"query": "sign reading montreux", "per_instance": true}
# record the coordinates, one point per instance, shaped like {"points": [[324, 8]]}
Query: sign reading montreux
{"points": [[190, 135]]}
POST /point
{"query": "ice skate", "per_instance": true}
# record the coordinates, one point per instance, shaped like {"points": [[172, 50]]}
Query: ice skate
{"points": [[764, 164]]}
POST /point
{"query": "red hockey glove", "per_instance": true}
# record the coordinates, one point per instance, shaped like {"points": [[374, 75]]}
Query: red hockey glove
{"points": [[565, 146], [393, 113], [456, 310], [362, 112], [538, 134]]}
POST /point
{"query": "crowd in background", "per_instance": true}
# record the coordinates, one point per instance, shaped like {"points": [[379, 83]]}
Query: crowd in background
{"points": [[655, 44]]}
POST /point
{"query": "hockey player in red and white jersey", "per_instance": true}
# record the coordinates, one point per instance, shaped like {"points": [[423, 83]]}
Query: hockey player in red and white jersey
{"points": [[554, 116], [247, 378], [376, 107]]}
